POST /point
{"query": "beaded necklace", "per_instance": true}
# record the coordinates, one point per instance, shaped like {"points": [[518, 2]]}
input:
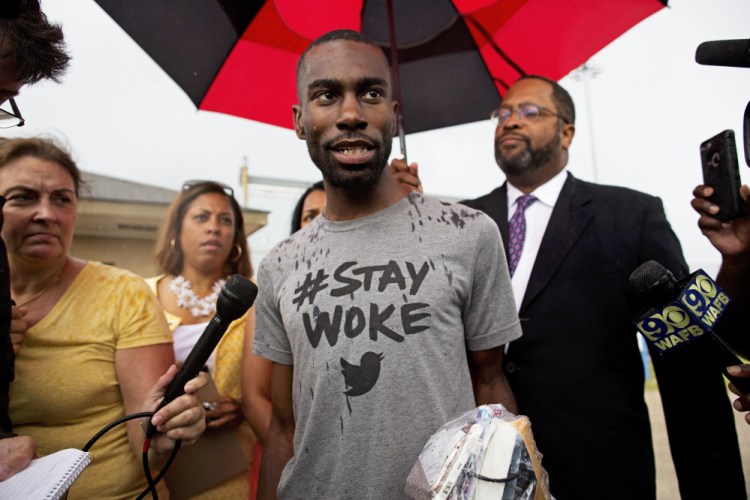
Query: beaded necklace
{"points": [[187, 299]]}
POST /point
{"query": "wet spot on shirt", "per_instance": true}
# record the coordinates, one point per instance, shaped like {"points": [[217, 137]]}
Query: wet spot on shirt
{"points": [[448, 272], [457, 220], [416, 199]]}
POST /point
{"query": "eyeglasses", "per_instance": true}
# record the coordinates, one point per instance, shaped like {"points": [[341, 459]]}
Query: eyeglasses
{"points": [[525, 112], [188, 184], [14, 119]]}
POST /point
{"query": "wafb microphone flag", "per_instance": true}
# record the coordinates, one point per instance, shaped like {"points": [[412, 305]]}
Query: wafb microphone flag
{"points": [[696, 309]]}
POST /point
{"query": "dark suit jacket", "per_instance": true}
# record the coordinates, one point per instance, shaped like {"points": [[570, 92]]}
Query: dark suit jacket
{"points": [[577, 372]]}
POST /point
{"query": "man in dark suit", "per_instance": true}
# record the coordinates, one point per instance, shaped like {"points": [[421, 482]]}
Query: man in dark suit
{"points": [[576, 371]]}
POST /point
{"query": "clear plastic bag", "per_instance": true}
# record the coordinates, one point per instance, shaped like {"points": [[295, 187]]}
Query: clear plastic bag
{"points": [[487, 453]]}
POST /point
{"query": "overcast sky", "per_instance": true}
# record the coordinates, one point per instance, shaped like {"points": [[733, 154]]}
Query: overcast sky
{"points": [[650, 105]]}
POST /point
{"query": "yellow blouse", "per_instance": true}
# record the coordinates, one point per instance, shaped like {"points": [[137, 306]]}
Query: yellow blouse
{"points": [[66, 388]]}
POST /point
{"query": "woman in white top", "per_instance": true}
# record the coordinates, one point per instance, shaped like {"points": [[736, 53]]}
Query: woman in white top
{"points": [[202, 242]]}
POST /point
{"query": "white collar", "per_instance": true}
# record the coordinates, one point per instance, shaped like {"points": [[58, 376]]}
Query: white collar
{"points": [[547, 193]]}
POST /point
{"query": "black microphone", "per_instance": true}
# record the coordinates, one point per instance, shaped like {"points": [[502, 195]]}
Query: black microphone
{"points": [[684, 311], [733, 53], [235, 298]]}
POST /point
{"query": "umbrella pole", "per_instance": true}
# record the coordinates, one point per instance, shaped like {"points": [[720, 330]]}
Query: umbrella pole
{"points": [[395, 76], [495, 47]]}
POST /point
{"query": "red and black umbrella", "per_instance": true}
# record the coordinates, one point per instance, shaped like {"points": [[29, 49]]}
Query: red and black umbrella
{"points": [[455, 57]]}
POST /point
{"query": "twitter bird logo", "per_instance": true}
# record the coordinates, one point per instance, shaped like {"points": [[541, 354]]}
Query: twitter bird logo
{"points": [[361, 378]]}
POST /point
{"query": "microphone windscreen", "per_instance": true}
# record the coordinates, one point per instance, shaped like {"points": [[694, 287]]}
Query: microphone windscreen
{"points": [[236, 297], [648, 276], [733, 53]]}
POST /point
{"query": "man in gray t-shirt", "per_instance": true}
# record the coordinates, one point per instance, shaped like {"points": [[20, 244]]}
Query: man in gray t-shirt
{"points": [[386, 317]]}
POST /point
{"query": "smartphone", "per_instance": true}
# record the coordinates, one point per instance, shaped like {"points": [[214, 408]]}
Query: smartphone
{"points": [[746, 133], [721, 171]]}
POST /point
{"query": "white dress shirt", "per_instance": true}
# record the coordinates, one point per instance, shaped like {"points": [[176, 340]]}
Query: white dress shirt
{"points": [[537, 217]]}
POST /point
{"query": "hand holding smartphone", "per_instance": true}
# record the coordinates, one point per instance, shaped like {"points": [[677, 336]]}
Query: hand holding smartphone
{"points": [[721, 172]]}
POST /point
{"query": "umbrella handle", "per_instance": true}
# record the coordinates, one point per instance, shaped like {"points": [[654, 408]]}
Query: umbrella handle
{"points": [[401, 136], [396, 77]]}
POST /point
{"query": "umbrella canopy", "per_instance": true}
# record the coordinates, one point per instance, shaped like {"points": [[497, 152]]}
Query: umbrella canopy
{"points": [[456, 57]]}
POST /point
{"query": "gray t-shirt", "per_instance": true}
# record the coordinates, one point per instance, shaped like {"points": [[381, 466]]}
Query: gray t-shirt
{"points": [[376, 315]]}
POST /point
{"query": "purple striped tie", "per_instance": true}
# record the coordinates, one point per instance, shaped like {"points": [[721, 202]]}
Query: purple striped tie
{"points": [[517, 230]]}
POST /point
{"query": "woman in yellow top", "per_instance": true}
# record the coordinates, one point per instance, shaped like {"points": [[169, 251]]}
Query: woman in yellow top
{"points": [[90, 340], [201, 243]]}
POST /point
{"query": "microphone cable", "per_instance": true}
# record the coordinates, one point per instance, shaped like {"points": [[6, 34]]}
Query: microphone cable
{"points": [[152, 482], [147, 470]]}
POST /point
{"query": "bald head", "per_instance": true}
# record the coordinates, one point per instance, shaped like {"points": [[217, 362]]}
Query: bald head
{"points": [[333, 36], [560, 96]]}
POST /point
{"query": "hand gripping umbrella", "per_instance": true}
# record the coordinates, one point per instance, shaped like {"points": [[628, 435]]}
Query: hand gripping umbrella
{"points": [[455, 57]]}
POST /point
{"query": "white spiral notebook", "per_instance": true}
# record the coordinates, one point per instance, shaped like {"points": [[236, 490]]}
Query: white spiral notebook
{"points": [[47, 477]]}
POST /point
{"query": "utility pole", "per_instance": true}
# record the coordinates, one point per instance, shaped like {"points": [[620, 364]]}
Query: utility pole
{"points": [[244, 181], [585, 73]]}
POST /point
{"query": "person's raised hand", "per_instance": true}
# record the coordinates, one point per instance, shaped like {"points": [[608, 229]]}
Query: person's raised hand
{"points": [[730, 238], [407, 175], [742, 403]]}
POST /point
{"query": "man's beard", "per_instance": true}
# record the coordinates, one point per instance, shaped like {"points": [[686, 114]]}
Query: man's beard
{"points": [[351, 177], [529, 159]]}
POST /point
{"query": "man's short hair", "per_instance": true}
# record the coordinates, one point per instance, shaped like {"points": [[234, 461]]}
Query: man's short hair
{"points": [[332, 36], [560, 96], [35, 46]]}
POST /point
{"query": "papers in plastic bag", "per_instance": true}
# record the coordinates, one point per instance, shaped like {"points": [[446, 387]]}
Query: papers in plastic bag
{"points": [[487, 453]]}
